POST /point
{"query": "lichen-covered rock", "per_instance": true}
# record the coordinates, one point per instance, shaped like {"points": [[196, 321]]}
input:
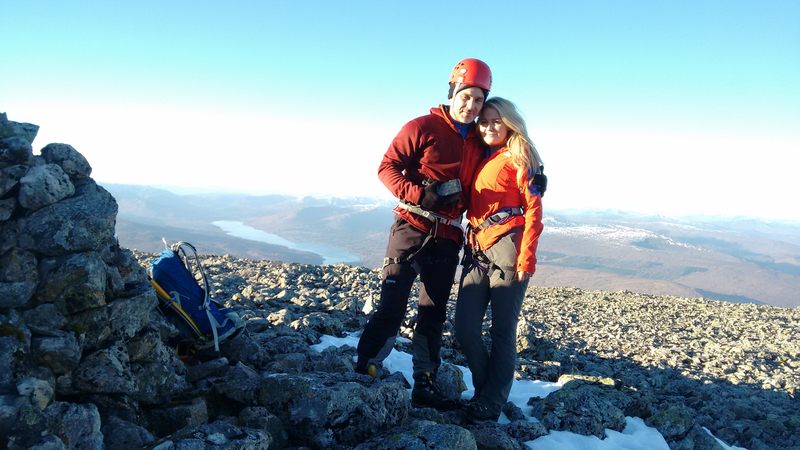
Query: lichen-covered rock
{"points": [[25, 131], [81, 223], [74, 283], [70, 160], [221, 434], [77, 425], [524, 430], [160, 379], [171, 418], [18, 278], [146, 346], [320, 322], [127, 316], [351, 411], [61, 351], [105, 371], [27, 425], [119, 433], [7, 208], [673, 423], [260, 418], [9, 345], [240, 384], [9, 233], [15, 151], [491, 436], [39, 391], [450, 380], [45, 319], [9, 178], [585, 408], [423, 435], [44, 185]]}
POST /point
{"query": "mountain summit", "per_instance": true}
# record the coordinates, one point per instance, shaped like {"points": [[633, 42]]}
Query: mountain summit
{"points": [[84, 364]]}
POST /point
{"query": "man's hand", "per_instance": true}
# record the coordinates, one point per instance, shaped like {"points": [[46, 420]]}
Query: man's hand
{"points": [[540, 181], [523, 276], [431, 200]]}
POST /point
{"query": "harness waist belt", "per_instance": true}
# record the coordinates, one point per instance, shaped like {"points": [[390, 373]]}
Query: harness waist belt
{"points": [[500, 216], [432, 216]]}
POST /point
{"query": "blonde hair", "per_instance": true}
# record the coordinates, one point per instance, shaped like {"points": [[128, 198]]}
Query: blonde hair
{"points": [[524, 155]]}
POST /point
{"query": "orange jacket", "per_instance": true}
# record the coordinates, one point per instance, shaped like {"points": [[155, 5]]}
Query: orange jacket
{"points": [[495, 188], [430, 147]]}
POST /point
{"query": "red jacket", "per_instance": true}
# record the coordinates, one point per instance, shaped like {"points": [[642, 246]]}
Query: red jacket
{"points": [[430, 147], [495, 188]]}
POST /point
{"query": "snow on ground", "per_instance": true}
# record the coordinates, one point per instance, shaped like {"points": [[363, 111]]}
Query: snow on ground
{"points": [[636, 435]]}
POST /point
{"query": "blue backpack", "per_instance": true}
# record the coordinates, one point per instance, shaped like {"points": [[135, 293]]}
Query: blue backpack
{"points": [[188, 305]]}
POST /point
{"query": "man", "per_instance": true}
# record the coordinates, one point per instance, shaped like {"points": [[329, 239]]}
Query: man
{"points": [[428, 167]]}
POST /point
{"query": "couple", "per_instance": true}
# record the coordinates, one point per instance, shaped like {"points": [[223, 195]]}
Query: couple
{"points": [[440, 165]]}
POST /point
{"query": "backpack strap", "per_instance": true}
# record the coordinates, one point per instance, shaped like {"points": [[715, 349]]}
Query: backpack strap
{"points": [[196, 265]]}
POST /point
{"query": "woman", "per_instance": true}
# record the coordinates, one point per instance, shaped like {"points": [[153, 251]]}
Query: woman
{"points": [[505, 221]]}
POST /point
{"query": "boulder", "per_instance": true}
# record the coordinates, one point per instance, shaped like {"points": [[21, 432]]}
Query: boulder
{"points": [[44, 185], [259, 418], [70, 160], [105, 371], [61, 351], [10, 176], [25, 131], [492, 436], [219, 435], [74, 283], [673, 423], [15, 151], [81, 223], [18, 277], [45, 320], [586, 408], [350, 411], [127, 316], [423, 434], [29, 423], [171, 418], [40, 392], [161, 378], [77, 425], [119, 433]]}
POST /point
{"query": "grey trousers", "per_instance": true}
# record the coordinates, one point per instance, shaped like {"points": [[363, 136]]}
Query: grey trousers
{"points": [[492, 369]]}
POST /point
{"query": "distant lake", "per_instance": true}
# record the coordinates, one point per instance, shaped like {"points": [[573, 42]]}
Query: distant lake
{"points": [[329, 253]]}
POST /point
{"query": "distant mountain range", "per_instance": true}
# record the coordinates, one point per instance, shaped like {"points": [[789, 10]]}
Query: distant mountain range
{"points": [[739, 260]]}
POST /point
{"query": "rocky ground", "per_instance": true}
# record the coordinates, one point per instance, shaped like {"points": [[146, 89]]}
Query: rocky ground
{"points": [[732, 368]]}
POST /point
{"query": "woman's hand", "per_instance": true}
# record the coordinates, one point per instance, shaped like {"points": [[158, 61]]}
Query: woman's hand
{"points": [[523, 276]]}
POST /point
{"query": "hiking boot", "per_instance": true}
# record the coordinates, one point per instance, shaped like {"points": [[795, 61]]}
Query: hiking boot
{"points": [[478, 411], [427, 395], [369, 369]]}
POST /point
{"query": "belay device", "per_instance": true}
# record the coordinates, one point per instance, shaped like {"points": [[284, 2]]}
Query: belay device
{"points": [[187, 304]]}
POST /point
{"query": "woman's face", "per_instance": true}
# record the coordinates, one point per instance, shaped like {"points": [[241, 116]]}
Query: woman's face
{"points": [[492, 128]]}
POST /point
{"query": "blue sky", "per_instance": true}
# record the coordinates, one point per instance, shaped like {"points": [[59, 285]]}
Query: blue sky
{"points": [[684, 107]]}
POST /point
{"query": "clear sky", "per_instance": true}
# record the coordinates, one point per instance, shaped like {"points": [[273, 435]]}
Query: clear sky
{"points": [[679, 107]]}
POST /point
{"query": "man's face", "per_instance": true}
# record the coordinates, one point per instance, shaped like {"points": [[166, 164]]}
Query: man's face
{"points": [[466, 104]]}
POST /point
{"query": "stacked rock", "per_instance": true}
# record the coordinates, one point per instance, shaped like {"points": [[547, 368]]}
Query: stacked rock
{"points": [[78, 335]]}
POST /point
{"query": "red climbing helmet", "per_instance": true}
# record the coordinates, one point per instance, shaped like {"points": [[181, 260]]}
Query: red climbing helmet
{"points": [[472, 72]]}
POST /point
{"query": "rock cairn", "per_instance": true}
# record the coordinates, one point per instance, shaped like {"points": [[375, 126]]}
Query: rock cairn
{"points": [[79, 340], [83, 363]]}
